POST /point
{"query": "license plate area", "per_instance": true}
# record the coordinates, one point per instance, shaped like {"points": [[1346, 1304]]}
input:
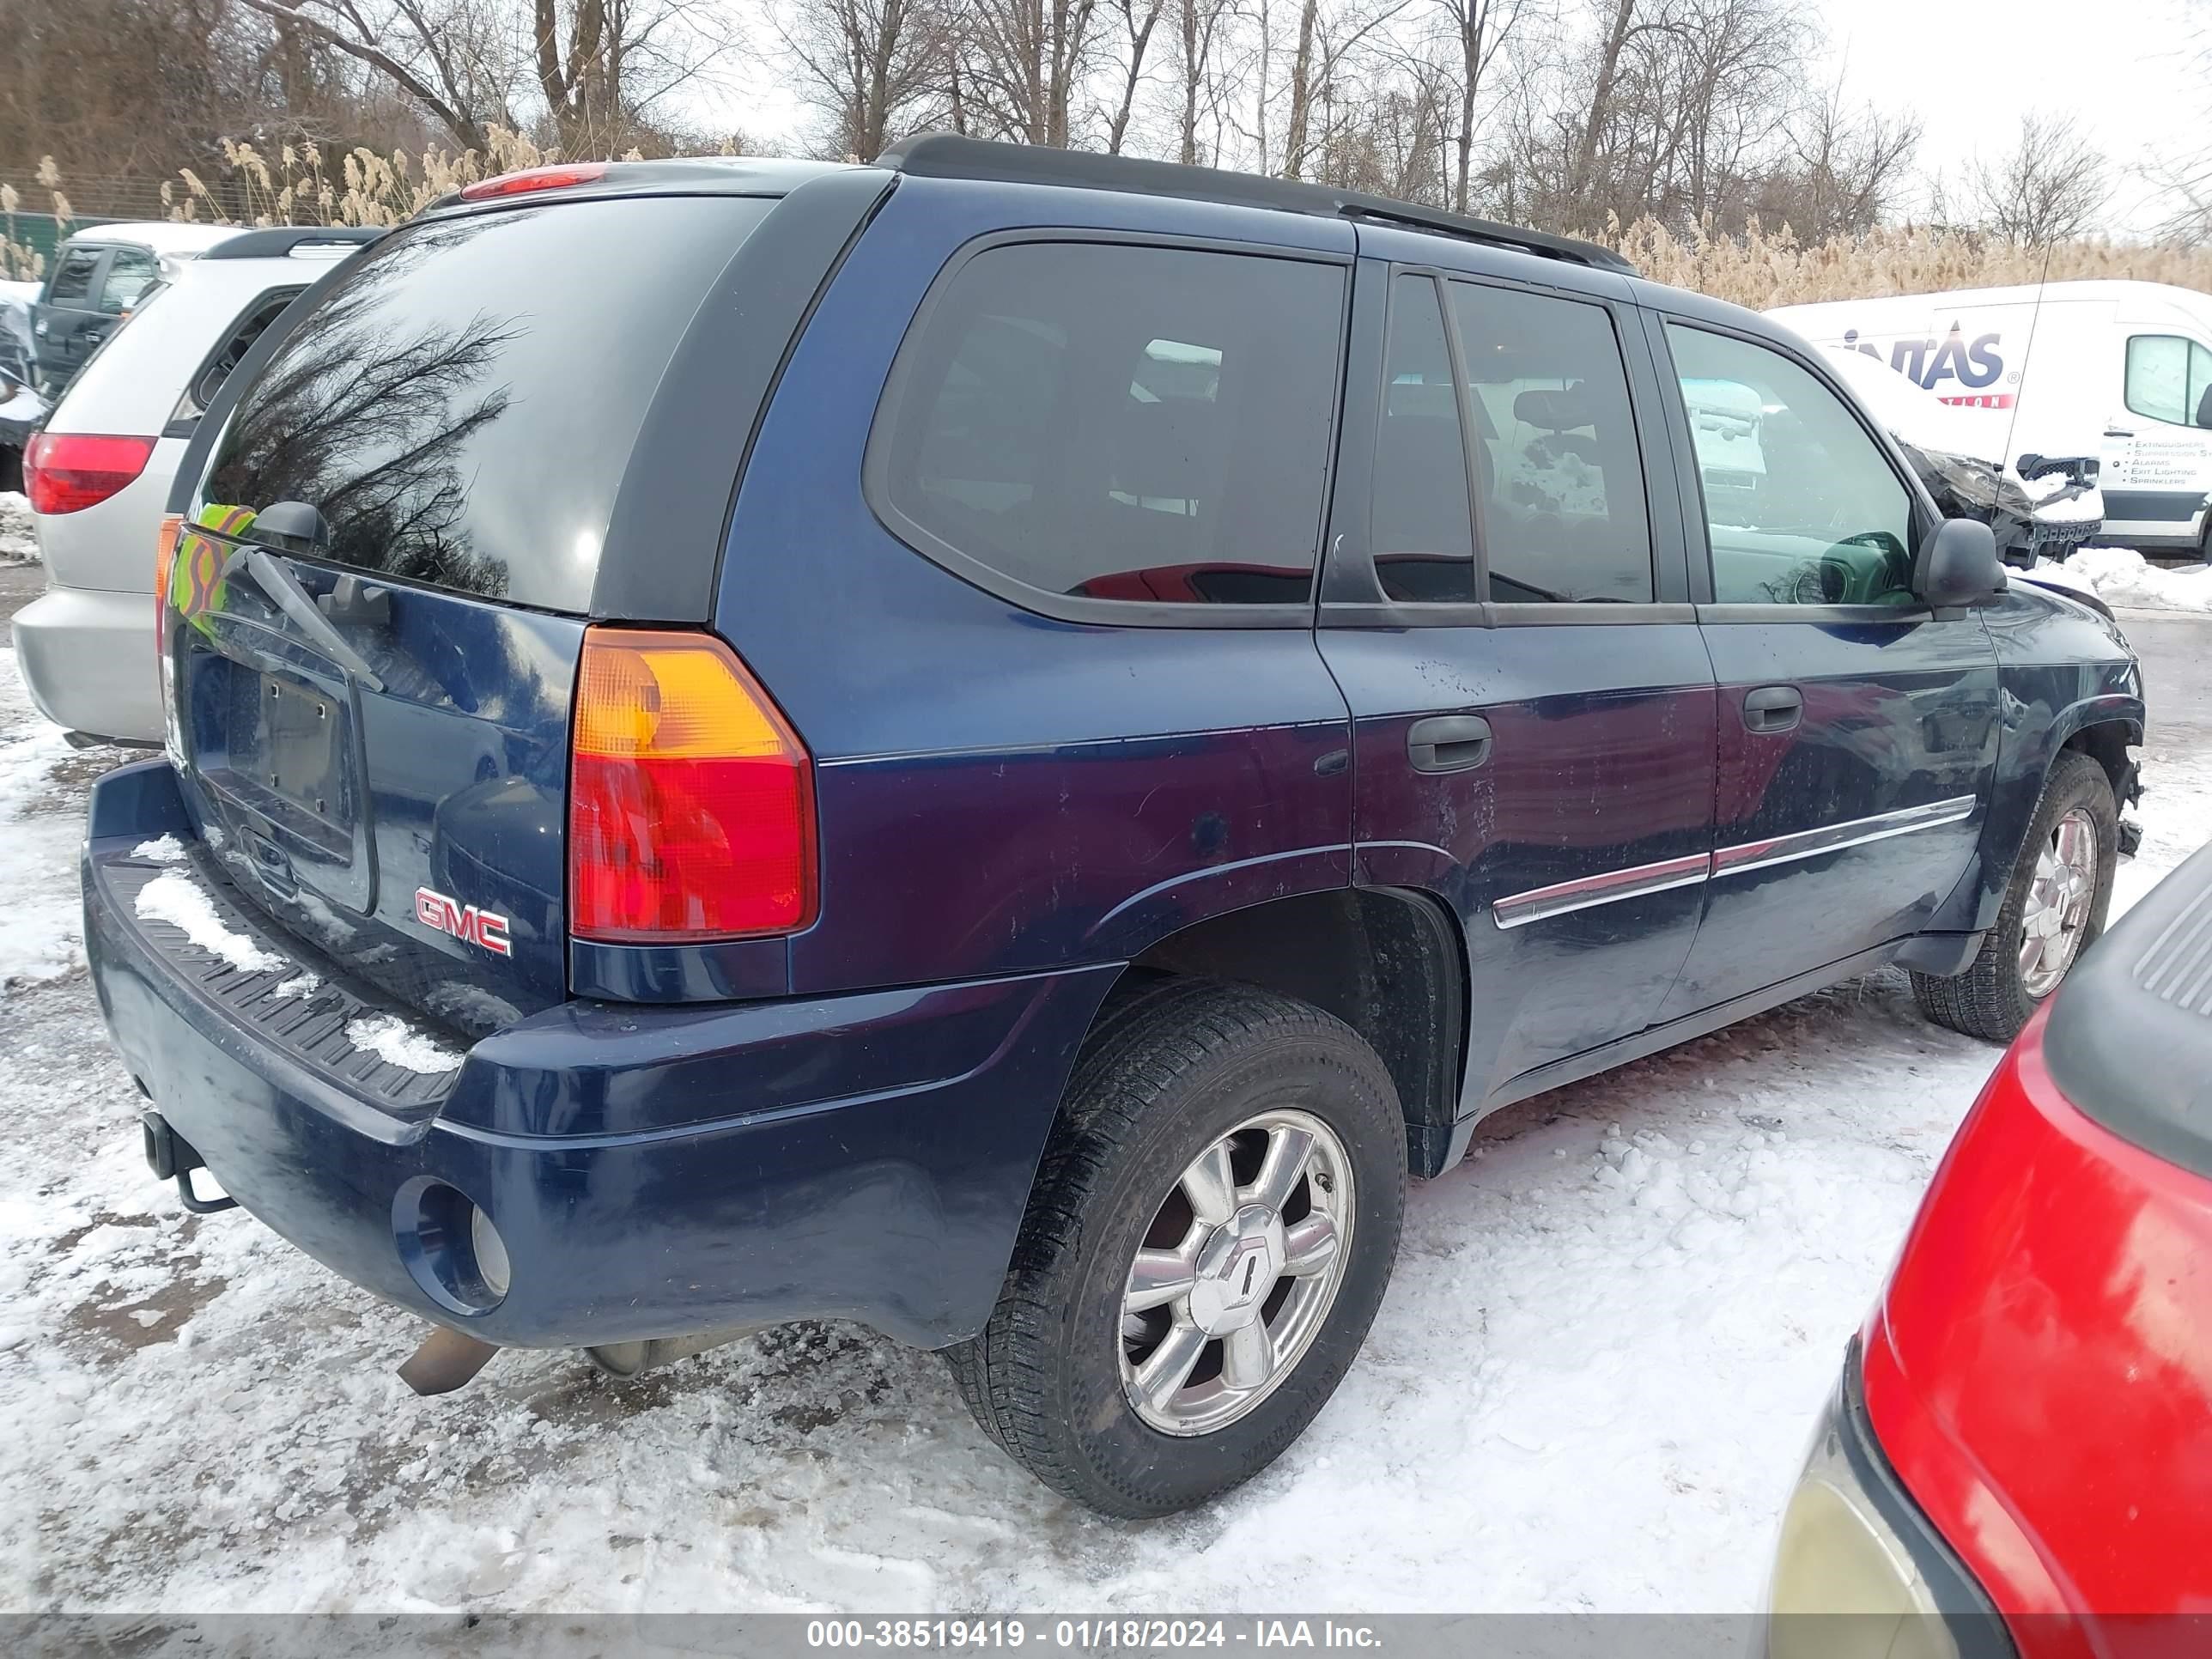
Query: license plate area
{"points": [[289, 744], [277, 750]]}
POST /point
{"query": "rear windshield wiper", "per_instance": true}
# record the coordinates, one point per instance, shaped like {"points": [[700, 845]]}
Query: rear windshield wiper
{"points": [[284, 589]]}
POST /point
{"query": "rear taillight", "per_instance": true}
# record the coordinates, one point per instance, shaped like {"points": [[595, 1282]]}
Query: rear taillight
{"points": [[165, 559], [534, 179], [69, 471], [691, 799]]}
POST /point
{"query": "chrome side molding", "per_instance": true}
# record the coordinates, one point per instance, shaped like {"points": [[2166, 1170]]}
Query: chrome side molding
{"points": [[1537, 904], [1582, 893], [1834, 837]]}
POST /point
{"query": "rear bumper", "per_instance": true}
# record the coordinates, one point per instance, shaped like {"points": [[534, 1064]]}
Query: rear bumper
{"points": [[652, 1171], [86, 658]]}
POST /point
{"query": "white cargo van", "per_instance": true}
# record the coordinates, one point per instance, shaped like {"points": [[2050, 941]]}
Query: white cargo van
{"points": [[2120, 371]]}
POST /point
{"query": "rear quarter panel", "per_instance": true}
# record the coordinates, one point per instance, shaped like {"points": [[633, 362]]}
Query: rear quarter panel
{"points": [[1000, 792]]}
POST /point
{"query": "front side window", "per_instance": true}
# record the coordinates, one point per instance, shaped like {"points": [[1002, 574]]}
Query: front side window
{"points": [[1562, 485], [72, 279], [2167, 379], [129, 274], [1802, 507], [1107, 422]]}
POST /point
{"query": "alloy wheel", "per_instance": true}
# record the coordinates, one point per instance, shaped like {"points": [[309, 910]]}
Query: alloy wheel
{"points": [[1236, 1272], [2059, 897]]}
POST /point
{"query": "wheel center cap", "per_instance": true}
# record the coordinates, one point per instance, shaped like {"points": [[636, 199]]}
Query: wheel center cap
{"points": [[1237, 1266]]}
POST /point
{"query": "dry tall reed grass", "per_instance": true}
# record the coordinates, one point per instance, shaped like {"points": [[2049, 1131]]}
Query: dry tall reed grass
{"points": [[299, 184]]}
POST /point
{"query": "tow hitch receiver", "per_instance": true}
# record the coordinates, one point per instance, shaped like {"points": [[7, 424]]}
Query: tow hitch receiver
{"points": [[171, 1157]]}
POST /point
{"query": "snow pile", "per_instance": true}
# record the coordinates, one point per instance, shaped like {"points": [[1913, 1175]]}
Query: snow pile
{"points": [[2087, 508], [2122, 576], [41, 917], [17, 539], [163, 849], [396, 1042], [301, 985], [176, 898]]}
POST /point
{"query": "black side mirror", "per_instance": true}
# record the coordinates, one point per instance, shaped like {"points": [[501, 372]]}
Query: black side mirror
{"points": [[1961, 567]]}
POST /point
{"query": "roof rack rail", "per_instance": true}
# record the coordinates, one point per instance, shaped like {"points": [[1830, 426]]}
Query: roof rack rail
{"points": [[946, 156], [279, 240]]}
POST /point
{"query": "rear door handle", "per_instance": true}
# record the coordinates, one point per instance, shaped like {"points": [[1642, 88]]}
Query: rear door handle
{"points": [[1448, 742], [1772, 709]]}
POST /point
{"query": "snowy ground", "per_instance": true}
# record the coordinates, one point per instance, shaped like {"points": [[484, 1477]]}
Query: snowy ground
{"points": [[17, 539], [1587, 1389]]}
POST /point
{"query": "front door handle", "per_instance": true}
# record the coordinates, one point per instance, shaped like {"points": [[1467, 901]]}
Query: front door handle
{"points": [[1772, 709], [1448, 742]]}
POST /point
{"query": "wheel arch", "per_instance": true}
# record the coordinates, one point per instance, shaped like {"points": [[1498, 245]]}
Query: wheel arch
{"points": [[2104, 728], [1388, 961]]}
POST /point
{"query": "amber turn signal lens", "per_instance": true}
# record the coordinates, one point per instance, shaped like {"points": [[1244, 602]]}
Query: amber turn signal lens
{"points": [[691, 799]]}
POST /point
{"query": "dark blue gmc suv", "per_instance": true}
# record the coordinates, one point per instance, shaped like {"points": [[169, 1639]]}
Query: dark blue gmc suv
{"points": [[1001, 743]]}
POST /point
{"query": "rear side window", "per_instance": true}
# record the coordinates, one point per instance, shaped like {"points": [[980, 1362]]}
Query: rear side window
{"points": [[225, 357], [1107, 422], [129, 274], [1563, 515], [461, 406], [72, 279], [2168, 377]]}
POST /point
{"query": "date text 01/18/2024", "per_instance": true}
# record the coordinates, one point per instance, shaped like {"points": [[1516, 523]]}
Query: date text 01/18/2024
{"points": [[953, 1635]]}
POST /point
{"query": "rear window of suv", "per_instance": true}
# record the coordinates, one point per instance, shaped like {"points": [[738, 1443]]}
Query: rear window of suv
{"points": [[1108, 422], [462, 405]]}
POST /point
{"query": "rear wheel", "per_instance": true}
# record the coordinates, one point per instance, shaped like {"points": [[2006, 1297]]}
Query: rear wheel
{"points": [[1207, 1244], [2061, 888]]}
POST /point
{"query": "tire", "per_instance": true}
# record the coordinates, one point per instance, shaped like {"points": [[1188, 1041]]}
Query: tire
{"points": [[1173, 1067], [1995, 996]]}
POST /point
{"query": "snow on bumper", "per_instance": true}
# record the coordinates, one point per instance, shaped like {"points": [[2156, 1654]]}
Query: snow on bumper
{"points": [[654, 1171]]}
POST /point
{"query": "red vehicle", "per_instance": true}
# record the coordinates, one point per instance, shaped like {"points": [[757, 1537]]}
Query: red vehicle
{"points": [[2018, 1459]]}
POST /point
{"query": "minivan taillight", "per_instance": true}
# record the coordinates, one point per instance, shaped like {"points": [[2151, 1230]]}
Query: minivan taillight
{"points": [[690, 798], [69, 471]]}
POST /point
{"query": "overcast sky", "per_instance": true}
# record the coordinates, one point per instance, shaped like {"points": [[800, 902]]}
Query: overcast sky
{"points": [[2126, 68]]}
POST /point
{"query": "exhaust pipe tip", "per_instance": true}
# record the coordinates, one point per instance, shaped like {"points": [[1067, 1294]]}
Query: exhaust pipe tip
{"points": [[625, 1360], [445, 1361]]}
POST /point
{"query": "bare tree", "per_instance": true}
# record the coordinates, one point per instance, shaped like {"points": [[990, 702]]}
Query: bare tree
{"points": [[599, 67], [604, 65], [2049, 188], [1845, 173], [1024, 59], [424, 47], [1625, 20], [876, 67], [1328, 40], [1199, 24], [1478, 30], [1137, 25]]}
